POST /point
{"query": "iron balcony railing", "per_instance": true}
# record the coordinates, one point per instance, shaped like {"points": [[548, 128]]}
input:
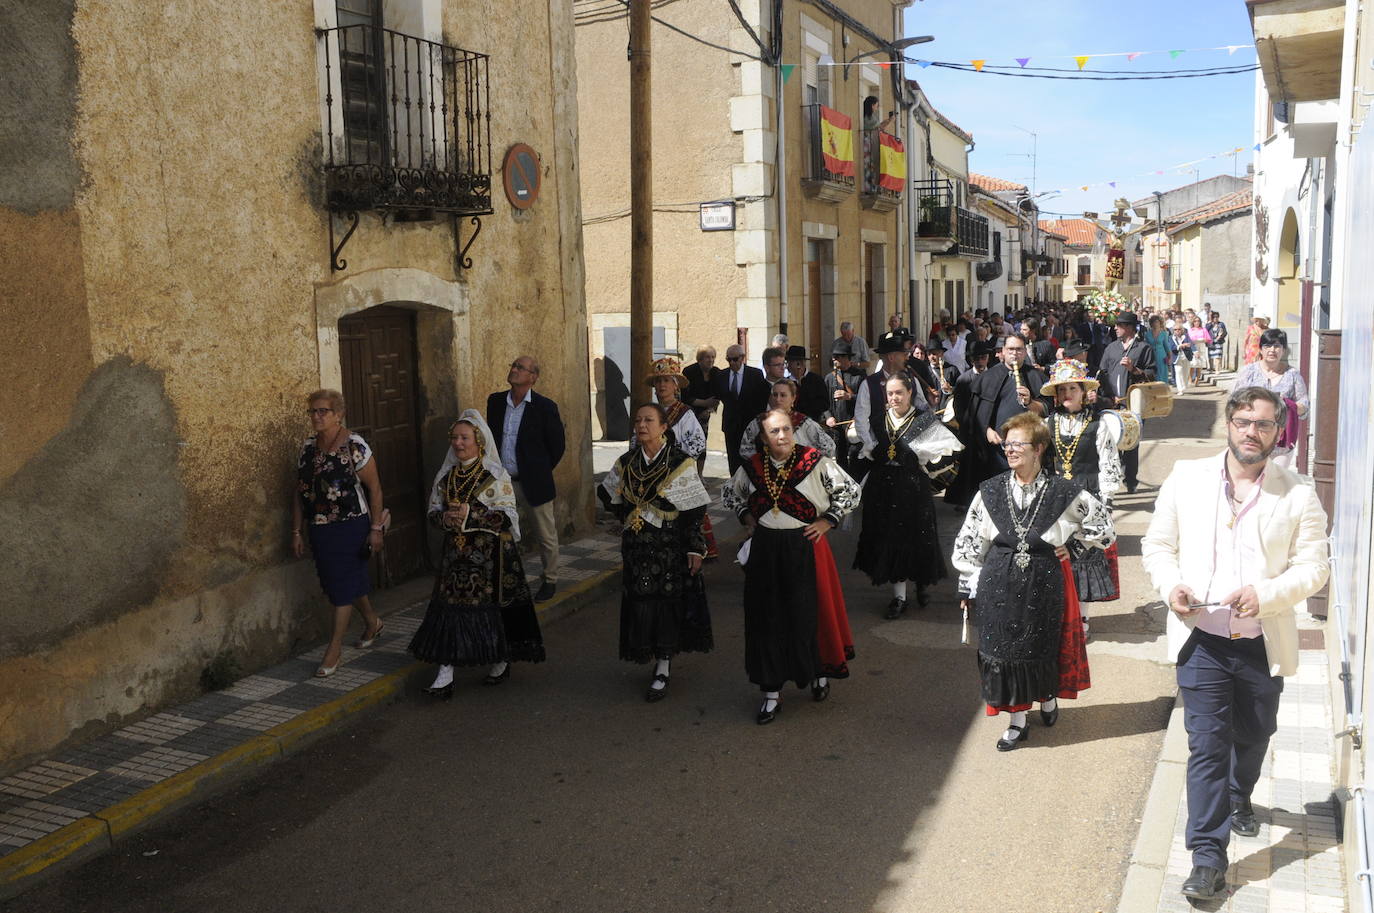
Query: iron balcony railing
{"points": [[409, 123], [815, 169], [940, 217]]}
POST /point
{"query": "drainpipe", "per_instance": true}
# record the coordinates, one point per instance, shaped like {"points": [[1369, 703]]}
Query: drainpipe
{"points": [[913, 284], [781, 167]]}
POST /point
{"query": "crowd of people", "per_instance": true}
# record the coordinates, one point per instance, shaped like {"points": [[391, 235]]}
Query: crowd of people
{"points": [[1024, 426]]}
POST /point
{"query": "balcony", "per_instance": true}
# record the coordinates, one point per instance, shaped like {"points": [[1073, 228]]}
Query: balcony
{"points": [[875, 196], [937, 225], [408, 125], [818, 180], [1299, 44]]}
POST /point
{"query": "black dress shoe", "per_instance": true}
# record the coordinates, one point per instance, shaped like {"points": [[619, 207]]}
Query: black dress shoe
{"points": [[1049, 717], [654, 695], [1204, 883], [922, 597], [765, 715], [820, 692], [498, 679], [895, 608], [1243, 819], [1131, 487], [1022, 735], [546, 590], [444, 694]]}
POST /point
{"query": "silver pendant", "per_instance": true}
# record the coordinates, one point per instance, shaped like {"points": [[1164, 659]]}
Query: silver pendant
{"points": [[1022, 557]]}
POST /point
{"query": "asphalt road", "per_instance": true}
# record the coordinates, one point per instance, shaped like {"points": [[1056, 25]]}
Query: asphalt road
{"points": [[563, 790]]}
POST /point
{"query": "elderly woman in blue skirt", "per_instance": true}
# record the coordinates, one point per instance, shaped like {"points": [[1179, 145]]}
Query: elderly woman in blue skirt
{"points": [[338, 506]]}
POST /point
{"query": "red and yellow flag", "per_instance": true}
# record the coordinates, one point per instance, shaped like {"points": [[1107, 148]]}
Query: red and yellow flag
{"points": [[837, 141], [891, 163]]}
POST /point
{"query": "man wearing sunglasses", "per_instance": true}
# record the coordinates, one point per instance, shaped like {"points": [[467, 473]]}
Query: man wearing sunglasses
{"points": [[1236, 543], [529, 434]]}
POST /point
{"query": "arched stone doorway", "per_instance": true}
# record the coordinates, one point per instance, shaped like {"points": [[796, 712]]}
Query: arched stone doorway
{"points": [[1288, 313]]}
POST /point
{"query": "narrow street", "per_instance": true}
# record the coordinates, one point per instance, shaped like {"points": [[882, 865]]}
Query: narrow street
{"points": [[564, 790]]}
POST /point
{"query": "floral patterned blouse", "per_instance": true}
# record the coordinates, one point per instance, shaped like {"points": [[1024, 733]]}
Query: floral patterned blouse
{"points": [[328, 483]]}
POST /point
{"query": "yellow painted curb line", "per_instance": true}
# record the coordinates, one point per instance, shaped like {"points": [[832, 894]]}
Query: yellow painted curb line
{"points": [[28, 861], [96, 833]]}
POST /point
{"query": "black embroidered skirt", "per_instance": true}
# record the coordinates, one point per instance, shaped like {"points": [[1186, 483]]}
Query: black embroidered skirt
{"points": [[780, 643], [663, 608], [899, 540], [1020, 615], [481, 611]]}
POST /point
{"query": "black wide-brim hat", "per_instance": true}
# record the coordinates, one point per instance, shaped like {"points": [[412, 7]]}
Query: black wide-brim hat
{"points": [[891, 344], [796, 353], [1127, 318]]}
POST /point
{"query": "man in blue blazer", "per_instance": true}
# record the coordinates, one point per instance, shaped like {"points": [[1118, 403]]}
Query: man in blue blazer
{"points": [[529, 434]]}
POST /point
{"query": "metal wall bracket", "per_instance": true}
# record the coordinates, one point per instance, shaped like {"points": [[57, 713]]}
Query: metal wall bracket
{"points": [[335, 264], [463, 261]]}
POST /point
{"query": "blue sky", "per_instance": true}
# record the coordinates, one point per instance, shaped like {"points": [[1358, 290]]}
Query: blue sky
{"points": [[1089, 132]]}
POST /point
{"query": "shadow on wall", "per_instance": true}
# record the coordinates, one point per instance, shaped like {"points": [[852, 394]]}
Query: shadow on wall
{"points": [[612, 395], [89, 523]]}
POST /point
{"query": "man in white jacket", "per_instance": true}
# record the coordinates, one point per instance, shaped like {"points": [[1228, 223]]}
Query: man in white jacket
{"points": [[1235, 545]]}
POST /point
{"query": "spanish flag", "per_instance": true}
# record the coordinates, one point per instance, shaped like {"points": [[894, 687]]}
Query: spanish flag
{"points": [[837, 142], [891, 163]]}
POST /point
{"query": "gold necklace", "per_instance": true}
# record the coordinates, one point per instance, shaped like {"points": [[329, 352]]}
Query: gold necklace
{"points": [[462, 483], [895, 432], [774, 481], [639, 486], [1066, 453]]}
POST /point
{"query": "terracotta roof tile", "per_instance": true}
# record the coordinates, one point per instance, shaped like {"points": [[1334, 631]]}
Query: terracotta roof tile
{"points": [[1222, 205], [1078, 232], [993, 185]]}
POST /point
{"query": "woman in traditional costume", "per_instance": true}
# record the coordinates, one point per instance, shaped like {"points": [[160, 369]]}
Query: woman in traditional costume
{"points": [[806, 431], [795, 625], [668, 382], [654, 490], [899, 541], [1013, 568], [481, 612], [1085, 448]]}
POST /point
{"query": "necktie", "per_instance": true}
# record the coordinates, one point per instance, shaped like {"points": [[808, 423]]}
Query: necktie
{"points": [[734, 382]]}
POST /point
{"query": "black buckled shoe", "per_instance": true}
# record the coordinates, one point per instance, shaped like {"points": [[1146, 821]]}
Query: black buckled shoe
{"points": [[895, 608], [654, 695], [766, 716], [1243, 818], [1049, 717], [820, 692], [498, 679], [922, 597], [1204, 883], [1022, 735]]}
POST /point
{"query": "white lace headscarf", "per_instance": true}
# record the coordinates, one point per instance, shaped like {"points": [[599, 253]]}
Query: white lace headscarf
{"points": [[504, 495]]}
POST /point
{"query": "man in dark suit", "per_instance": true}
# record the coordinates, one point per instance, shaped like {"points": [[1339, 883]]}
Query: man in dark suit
{"points": [[812, 397], [996, 397], [1129, 360], [743, 394], [529, 434]]}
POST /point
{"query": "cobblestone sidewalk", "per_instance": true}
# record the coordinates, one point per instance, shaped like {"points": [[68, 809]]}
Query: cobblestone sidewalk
{"points": [[1294, 864]]}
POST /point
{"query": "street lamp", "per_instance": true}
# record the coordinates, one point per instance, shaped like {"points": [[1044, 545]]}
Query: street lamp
{"points": [[900, 44]]}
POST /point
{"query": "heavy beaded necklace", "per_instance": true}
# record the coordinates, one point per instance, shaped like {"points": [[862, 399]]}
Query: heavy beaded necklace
{"points": [[640, 483], [462, 483], [896, 430], [1066, 452], [1023, 521], [775, 480]]}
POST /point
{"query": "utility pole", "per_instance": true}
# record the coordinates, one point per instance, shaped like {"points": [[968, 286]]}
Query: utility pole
{"points": [[641, 202]]}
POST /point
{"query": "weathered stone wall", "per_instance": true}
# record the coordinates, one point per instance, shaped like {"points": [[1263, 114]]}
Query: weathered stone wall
{"points": [[164, 248]]}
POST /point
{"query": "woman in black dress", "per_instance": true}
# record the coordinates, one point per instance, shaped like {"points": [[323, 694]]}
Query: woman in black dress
{"points": [[654, 490], [1013, 568], [481, 612], [795, 625], [899, 541]]}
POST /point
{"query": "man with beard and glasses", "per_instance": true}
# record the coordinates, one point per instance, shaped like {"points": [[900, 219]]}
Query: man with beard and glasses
{"points": [[1236, 543]]}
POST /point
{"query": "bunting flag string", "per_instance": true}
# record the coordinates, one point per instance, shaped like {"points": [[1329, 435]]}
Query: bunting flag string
{"points": [[1080, 59], [1181, 167]]}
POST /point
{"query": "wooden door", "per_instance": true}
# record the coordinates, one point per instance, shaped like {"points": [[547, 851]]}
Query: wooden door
{"points": [[377, 351]]}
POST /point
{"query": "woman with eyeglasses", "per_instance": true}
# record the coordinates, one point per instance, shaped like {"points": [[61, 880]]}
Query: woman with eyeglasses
{"points": [[338, 507], [1275, 374], [807, 432], [899, 542], [1014, 574]]}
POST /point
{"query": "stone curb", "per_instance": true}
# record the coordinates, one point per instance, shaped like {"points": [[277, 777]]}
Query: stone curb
{"points": [[97, 833], [1150, 857]]}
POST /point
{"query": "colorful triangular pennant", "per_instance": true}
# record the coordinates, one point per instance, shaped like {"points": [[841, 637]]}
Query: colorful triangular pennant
{"points": [[1173, 55], [787, 69], [1082, 61], [978, 64], [923, 63], [1023, 61], [1133, 55]]}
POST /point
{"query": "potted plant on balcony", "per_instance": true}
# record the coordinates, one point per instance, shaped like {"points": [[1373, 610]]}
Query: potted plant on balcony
{"points": [[935, 221]]}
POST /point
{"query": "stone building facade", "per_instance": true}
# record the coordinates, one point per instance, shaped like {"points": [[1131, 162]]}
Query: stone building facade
{"points": [[166, 244]]}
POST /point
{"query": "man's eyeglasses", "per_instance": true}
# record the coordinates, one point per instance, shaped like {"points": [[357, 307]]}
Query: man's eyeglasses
{"points": [[1263, 425], [323, 410], [734, 358], [775, 364], [1015, 445]]}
